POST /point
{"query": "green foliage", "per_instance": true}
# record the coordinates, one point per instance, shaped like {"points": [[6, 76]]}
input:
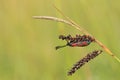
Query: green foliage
{"points": [[27, 45]]}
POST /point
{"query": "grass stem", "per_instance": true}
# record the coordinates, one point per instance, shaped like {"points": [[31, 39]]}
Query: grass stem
{"points": [[76, 26]]}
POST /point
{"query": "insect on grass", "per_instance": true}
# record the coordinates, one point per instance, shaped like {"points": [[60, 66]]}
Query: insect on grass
{"points": [[74, 41], [77, 41]]}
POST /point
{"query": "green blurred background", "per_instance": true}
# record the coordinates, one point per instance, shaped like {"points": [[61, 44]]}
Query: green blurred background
{"points": [[27, 45]]}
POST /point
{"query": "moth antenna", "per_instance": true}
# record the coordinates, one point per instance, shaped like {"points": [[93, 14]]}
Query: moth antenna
{"points": [[58, 47]]}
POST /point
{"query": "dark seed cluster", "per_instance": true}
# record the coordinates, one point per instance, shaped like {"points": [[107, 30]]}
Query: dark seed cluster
{"points": [[84, 60], [77, 38]]}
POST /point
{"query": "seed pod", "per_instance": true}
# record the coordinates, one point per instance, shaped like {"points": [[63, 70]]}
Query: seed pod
{"points": [[84, 60]]}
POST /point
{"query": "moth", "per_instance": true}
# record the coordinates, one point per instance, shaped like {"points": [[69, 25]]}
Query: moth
{"points": [[77, 41]]}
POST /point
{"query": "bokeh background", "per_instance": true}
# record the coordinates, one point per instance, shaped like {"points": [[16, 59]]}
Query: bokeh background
{"points": [[27, 45]]}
